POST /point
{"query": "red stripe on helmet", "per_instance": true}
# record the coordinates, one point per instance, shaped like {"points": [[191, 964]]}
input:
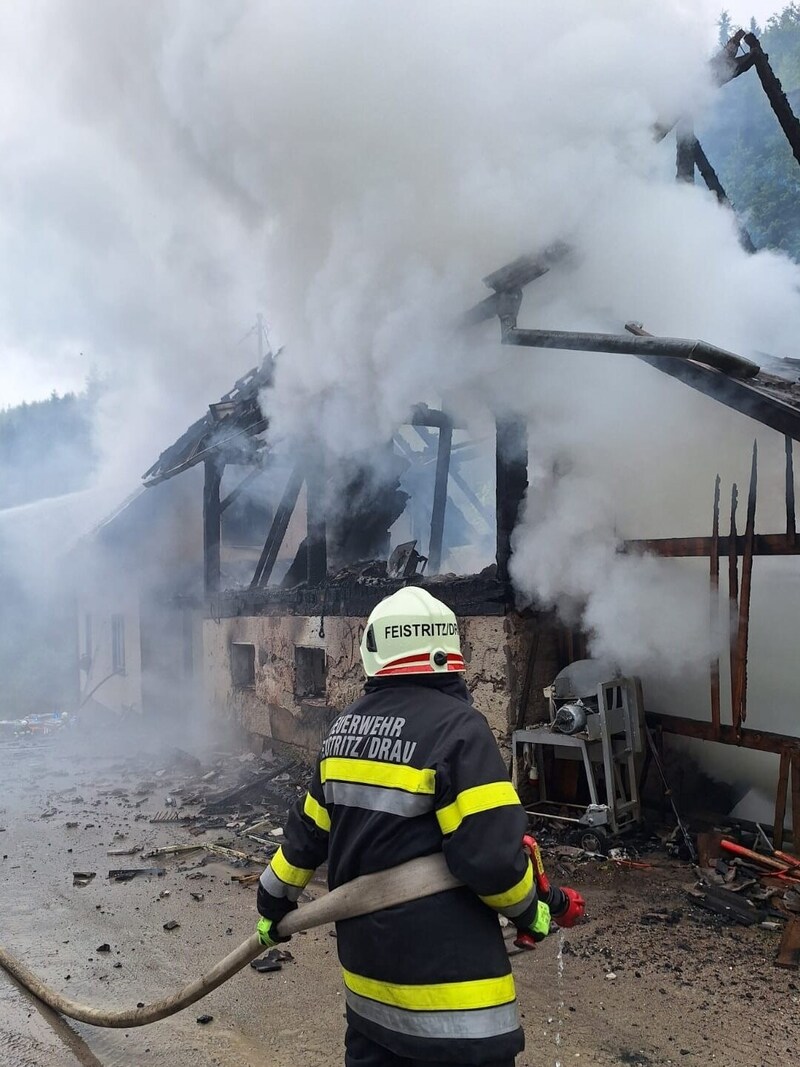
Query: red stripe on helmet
{"points": [[410, 669]]}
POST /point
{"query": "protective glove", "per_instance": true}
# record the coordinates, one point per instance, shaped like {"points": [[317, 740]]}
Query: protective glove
{"points": [[538, 929], [267, 930], [570, 909]]}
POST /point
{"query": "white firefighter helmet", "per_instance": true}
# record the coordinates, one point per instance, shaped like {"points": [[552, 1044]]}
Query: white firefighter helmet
{"points": [[411, 632]]}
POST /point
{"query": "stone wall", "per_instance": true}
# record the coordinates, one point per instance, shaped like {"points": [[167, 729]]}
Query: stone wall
{"points": [[496, 650]]}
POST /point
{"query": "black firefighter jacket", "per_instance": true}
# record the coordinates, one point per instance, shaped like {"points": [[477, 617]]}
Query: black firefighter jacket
{"points": [[410, 769]]}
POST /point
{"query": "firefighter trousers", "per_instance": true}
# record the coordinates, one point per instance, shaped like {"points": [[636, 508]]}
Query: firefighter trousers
{"points": [[361, 1052]]}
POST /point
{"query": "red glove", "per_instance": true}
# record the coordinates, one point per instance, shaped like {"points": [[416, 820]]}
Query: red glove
{"points": [[574, 911]]}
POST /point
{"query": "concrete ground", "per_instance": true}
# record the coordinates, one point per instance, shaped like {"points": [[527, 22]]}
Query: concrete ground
{"points": [[691, 993]]}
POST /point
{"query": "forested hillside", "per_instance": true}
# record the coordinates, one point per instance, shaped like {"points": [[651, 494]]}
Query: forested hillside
{"points": [[46, 447], [746, 146]]}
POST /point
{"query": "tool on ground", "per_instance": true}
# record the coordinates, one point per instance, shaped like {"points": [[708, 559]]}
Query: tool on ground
{"points": [[372, 892], [668, 793]]}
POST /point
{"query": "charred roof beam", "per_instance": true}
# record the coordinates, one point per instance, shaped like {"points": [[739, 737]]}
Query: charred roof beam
{"points": [[622, 344]]}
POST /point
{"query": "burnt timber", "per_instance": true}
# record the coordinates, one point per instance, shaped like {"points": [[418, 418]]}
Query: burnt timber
{"points": [[355, 596]]}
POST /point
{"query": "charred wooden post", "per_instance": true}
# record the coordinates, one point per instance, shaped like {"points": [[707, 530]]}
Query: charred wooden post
{"points": [[733, 595], [791, 524], [212, 527], [714, 185], [440, 498], [511, 465], [743, 629], [316, 533], [795, 782], [775, 94], [278, 528], [715, 691], [780, 800], [684, 153]]}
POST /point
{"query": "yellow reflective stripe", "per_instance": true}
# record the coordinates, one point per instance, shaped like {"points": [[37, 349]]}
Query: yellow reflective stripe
{"points": [[281, 868], [446, 996], [471, 801], [368, 772], [318, 815], [515, 895]]}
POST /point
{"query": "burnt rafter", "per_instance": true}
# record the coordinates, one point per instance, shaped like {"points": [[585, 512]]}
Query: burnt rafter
{"points": [[727, 378], [228, 430], [774, 92]]}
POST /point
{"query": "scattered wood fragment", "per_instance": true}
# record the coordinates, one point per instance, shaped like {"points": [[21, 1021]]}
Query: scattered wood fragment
{"points": [[231, 853], [172, 850], [246, 879], [789, 950], [708, 847]]}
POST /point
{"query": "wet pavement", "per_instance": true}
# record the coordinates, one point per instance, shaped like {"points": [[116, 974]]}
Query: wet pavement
{"points": [[56, 927], [614, 991]]}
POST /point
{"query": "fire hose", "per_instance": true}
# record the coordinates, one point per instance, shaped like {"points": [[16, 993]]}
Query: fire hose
{"points": [[372, 892]]}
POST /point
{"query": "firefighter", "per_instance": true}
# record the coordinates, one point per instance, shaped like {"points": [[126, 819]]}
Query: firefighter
{"points": [[410, 769]]}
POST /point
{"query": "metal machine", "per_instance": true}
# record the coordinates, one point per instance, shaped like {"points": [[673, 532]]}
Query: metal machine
{"points": [[599, 722]]}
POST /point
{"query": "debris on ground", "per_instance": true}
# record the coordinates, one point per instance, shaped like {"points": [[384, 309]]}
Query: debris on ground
{"points": [[204, 1019], [789, 950], [126, 874], [272, 961], [105, 947], [172, 925], [82, 878]]}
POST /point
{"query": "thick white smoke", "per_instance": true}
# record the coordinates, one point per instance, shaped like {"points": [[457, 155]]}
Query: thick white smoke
{"points": [[360, 167]]}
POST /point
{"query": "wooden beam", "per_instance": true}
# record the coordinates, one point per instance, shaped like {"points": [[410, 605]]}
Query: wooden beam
{"points": [[733, 602], [775, 94], [698, 547], [212, 565], [714, 583], [511, 466], [780, 800], [795, 786], [278, 528], [440, 498], [758, 740], [743, 628]]}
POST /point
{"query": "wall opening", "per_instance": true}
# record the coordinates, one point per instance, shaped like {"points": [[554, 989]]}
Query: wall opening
{"points": [[309, 672], [243, 665]]}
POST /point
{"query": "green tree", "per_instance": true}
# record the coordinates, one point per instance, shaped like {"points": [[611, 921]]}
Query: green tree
{"points": [[748, 148], [725, 28]]}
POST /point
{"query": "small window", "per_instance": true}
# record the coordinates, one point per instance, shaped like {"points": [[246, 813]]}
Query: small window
{"points": [[118, 644], [309, 672], [243, 665]]}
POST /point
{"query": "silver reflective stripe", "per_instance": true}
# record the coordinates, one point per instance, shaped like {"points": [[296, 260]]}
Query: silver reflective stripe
{"points": [[518, 909], [377, 798], [276, 888], [480, 1022]]}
